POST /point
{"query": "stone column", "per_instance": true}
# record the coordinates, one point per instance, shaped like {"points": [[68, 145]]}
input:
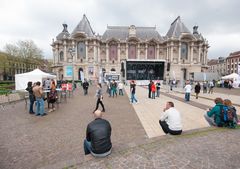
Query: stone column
{"points": [[95, 52], [157, 51], [118, 53], [75, 52], [191, 53], [146, 51], [167, 58], [107, 54], [86, 43], [126, 50], [171, 48], [179, 53], [205, 55], [65, 51], [138, 51], [98, 53], [199, 53]]}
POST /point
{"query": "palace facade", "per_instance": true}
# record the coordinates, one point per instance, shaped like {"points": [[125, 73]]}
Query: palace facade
{"points": [[138, 53]]}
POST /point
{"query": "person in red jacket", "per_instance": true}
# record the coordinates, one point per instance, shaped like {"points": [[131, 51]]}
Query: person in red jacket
{"points": [[153, 90]]}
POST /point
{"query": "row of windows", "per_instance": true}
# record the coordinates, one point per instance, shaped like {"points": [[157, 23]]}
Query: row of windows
{"points": [[132, 52]]}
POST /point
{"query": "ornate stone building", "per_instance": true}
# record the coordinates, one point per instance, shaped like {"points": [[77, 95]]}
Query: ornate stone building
{"points": [[233, 63], [177, 55]]}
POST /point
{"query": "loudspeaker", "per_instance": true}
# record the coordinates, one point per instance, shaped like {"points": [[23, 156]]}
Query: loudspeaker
{"points": [[168, 66]]}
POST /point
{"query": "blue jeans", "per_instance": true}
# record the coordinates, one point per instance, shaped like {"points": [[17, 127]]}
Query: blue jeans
{"points": [[39, 106], [153, 95], [133, 98], [31, 100], [187, 96], [87, 147]]}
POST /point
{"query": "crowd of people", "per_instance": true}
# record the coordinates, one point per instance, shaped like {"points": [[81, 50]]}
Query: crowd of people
{"points": [[98, 132], [37, 96]]}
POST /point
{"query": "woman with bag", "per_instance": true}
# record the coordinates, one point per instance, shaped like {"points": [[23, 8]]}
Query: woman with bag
{"points": [[52, 98]]}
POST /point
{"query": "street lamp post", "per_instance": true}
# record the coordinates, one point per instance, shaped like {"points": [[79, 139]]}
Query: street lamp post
{"points": [[72, 52]]}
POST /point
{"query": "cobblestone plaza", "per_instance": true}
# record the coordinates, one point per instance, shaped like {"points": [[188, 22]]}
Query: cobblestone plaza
{"points": [[55, 140]]}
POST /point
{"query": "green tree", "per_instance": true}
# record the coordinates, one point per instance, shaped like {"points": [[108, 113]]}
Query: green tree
{"points": [[24, 49]]}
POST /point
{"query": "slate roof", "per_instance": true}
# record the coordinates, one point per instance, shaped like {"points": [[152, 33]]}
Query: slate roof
{"points": [[84, 27], [122, 33], [177, 28], [64, 33]]}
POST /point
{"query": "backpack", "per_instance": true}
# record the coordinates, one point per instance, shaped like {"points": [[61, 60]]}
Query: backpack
{"points": [[227, 116]]}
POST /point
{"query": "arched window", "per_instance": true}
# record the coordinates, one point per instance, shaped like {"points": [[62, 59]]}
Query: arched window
{"points": [[113, 69], [132, 51], [184, 50], [113, 52], [81, 53], [151, 52], [61, 56]]}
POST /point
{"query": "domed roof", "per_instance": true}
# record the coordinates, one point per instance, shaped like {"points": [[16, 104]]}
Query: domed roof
{"points": [[64, 34]]}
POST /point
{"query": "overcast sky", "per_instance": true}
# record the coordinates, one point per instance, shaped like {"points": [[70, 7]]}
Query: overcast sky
{"points": [[41, 20]]}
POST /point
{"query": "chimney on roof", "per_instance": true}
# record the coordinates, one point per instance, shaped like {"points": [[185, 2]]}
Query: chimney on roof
{"points": [[195, 31], [65, 27]]}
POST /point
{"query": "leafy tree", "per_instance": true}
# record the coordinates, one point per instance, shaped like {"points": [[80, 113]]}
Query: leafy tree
{"points": [[24, 49]]}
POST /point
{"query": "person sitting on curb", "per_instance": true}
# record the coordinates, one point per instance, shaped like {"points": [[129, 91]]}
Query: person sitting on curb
{"points": [[213, 116], [98, 137], [233, 120], [171, 120]]}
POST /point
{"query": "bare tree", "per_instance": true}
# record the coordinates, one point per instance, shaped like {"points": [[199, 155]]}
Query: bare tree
{"points": [[24, 49]]}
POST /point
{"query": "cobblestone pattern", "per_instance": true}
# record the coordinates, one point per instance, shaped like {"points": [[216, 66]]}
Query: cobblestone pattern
{"points": [[201, 150], [56, 140]]}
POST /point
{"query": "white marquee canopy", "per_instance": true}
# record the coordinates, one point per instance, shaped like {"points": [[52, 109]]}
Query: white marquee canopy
{"points": [[21, 80], [233, 76]]}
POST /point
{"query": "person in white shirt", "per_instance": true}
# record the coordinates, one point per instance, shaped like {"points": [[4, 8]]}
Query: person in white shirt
{"points": [[187, 90], [120, 88], [171, 120]]}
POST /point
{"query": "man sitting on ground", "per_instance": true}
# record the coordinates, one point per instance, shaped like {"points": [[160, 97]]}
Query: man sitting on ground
{"points": [[171, 120], [213, 116], [98, 137]]}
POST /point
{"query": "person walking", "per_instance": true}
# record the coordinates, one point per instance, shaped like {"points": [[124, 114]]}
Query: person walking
{"points": [[197, 89], [149, 89], [158, 88], [99, 97], [85, 87], [133, 92], [211, 86], [153, 90], [187, 90], [114, 88], [120, 88]]}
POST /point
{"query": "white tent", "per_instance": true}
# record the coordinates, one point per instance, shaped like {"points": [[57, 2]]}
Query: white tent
{"points": [[233, 76], [21, 80]]}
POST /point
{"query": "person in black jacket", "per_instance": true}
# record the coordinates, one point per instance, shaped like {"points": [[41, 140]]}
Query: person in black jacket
{"points": [[31, 97], [149, 89], [85, 86], [98, 137], [197, 89]]}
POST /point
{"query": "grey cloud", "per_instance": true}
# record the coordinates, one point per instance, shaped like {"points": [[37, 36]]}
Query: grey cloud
{"points": [[42, 20]]}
